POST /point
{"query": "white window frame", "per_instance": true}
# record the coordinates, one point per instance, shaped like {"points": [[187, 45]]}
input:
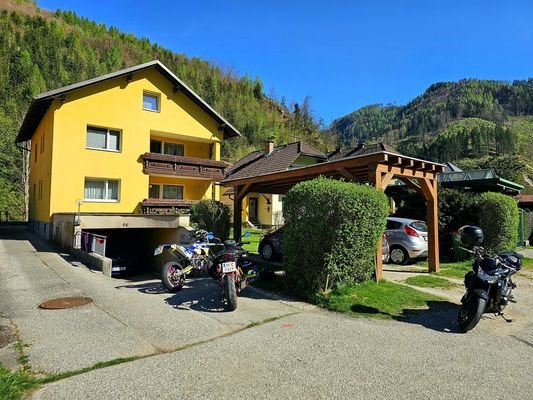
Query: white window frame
{"points": [[157, 97], [106, 190], [107, 141]]}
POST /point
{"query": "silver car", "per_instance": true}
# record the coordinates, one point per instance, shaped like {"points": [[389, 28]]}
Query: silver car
{"points": [[408, 239]]}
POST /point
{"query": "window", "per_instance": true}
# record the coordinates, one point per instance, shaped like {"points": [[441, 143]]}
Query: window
{"points": [[173, 149], [103, 139], [172, 192], [101, 189], [150, 101], [156, 146], [154, 192]]}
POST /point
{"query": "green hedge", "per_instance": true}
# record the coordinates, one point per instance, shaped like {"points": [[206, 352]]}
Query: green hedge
{"points": [[331, 231], [498, 218], [213, 216]]}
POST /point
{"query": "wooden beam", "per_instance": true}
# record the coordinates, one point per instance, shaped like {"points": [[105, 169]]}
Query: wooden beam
{"points": [[429, 188], [241, 191], [345, 173], [298, 174], [237, 218], [374, 177], [411, 185], [385, 179]]}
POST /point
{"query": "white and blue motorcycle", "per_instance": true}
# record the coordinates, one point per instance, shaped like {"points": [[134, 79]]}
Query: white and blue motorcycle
{"points": [[186, 259]]}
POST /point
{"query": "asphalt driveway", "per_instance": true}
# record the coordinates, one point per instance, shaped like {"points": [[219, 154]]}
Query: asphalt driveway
{"points": [[189, 347]]}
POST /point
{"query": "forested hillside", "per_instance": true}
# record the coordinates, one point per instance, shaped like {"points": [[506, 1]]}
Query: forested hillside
{"points": [[40, 51], [487, 121]]}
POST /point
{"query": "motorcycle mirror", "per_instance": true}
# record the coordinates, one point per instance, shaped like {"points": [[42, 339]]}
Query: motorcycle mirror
{"points": [[246, 234]]}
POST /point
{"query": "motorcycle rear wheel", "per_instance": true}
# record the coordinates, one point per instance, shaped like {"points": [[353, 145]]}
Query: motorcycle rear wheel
{"points": [[470, 313], [230, 291], [172, 279]]}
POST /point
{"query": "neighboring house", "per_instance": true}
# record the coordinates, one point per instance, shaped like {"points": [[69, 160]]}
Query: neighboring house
{"points": [[266, 210], [121, 151]]}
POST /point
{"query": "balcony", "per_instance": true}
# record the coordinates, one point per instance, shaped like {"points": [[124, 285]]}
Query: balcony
{"points": [[166, 207], [192, 167]]}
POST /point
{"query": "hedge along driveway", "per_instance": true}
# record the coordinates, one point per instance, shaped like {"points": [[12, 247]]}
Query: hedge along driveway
{"points": [[331, 233]]}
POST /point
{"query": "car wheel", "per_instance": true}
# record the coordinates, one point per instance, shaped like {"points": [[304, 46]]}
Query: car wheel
{"points": [[267, 252], [399, 255]]}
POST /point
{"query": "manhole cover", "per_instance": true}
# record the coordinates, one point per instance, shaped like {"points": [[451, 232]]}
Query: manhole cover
{"points": [[65, 302]]}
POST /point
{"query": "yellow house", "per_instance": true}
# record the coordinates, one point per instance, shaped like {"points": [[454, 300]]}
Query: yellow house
{"points": [[265, 210], [124, 150]]}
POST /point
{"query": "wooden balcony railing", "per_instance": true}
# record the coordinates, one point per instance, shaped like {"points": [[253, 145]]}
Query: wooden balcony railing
{"points": [[166, 207], [164, 164]]}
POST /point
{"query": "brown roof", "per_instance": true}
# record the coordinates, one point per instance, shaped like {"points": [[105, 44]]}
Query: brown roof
{"points": [[525, 200], [280, 159], [40, 104], [360, 150]]}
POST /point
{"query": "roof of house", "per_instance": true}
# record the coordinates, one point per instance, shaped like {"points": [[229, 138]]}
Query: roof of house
{"points": [[280, 159], [525, 200], [360, 151], [42, 102]]}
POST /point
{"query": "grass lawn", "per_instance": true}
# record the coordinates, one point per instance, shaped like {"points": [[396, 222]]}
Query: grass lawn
{"points": [[254, 238], [430, 281], [452, 269], [13, 384], [384, 300], [527, 263]]}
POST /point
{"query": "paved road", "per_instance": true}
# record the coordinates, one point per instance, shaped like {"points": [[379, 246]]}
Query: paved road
{"points": [[265, 349]]}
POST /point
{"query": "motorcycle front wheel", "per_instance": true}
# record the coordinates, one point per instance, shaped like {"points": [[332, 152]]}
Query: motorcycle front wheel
{"points": [[470, 312], [172, 276], [230, 291]]}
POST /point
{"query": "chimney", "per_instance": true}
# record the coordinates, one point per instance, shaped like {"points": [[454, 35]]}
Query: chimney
{"points": [[269, 146]]}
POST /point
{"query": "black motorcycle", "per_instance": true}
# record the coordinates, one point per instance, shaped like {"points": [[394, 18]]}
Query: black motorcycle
{"points": [[489, 285], [233, 270]]}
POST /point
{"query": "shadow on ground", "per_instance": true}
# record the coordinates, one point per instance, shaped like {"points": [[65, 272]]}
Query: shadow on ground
{"points": [[440, 316]]}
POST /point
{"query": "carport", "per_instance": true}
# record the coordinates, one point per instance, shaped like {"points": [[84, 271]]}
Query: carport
{"points": [[376, 166]]}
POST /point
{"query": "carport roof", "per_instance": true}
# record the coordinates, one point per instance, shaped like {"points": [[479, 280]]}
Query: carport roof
{"points": [[352, 165]]}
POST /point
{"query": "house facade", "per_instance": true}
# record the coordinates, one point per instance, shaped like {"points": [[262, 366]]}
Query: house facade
{"points": [[126, 150], [265, 210]]}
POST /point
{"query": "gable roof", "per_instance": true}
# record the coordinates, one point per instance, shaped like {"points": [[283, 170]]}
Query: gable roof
{"points": [[42, 102], [280, 159], [360, 151]]}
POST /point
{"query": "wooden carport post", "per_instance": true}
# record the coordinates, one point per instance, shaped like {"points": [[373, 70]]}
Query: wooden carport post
{"points": [[240, 192], [380, 180], [429, 188]]}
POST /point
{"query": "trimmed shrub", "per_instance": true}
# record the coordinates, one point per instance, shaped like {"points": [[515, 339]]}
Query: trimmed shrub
{"points": [[213, 216], [331, 233], [498, 218]]}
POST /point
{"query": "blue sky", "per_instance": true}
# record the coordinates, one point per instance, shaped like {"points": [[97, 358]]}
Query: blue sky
{"points": [[343, 54]]}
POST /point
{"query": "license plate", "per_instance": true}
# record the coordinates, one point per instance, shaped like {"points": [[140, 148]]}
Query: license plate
{"points": [[115, 269], [158, 250], [229, 266]]}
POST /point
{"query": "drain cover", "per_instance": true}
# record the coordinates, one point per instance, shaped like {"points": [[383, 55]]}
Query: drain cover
{"points": [[65, 302]]}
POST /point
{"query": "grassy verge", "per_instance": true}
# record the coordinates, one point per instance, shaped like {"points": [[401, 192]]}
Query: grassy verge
{"points": [[13, 384], [253, 239], [454, 269], [527, 263], [384, 300], [430, 281]]}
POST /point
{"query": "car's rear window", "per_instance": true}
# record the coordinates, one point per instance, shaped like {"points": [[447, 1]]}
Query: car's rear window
{"points": [[419, 226]]}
